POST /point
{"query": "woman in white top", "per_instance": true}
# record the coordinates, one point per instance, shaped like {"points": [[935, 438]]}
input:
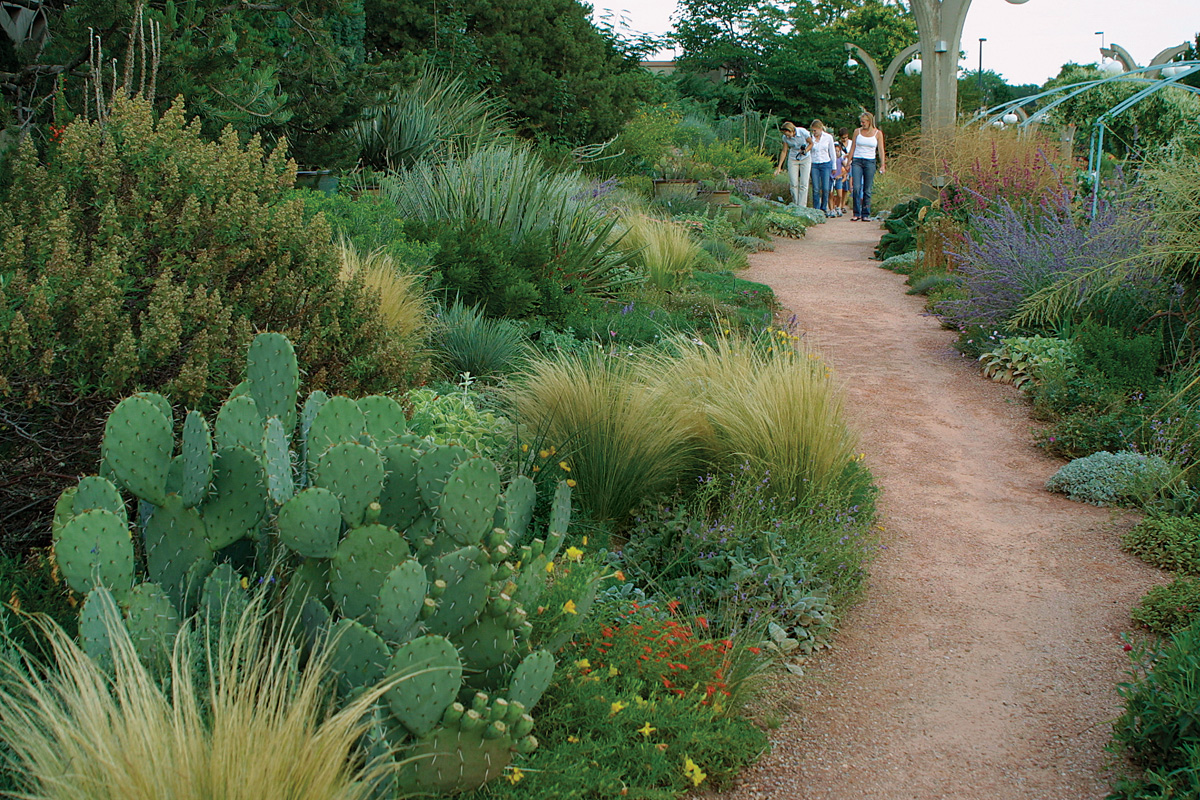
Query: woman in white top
{"points": [[796, 145], [866, 147], [823, 155]]}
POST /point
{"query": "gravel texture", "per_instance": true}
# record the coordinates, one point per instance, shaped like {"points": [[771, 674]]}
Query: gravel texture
{"points": [[984, 659]]}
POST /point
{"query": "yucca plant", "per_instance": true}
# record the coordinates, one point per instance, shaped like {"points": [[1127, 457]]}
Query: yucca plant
{"points": [[624, 439], [662, 248], [508, 186], [403, 303], [435, 115], [769, 405], [473, 344], [241, 720]]}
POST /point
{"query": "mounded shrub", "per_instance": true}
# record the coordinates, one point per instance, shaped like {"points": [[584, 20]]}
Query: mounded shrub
{"points": [[1106, 479]]}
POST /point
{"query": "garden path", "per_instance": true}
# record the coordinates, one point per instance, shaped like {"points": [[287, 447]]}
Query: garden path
{"points": [[983, 661]]}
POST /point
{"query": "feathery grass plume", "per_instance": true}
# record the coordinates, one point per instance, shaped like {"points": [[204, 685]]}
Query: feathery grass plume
{"points": [[403, 303], [664, 249], [472, 343], [770, 406], [242, 720], [625, 439]]}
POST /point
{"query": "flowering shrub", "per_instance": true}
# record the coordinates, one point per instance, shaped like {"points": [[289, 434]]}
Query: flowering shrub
{"points": [[645, 704]]}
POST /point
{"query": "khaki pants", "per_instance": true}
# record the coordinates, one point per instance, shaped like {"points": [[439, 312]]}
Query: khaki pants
{"points": [[798, 172]]}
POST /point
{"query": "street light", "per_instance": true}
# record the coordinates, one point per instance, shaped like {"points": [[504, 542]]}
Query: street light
{"points": [[851, 64], [982, 103], [913, 67]]}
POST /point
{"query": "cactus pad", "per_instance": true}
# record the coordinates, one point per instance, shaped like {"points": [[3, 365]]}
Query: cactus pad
{"points": [[386, 422], [360, 656], [458, 757], [153, 623], [468, 575], [467, 504], [520, 497], [311, 523], [223, 599], [401, 499], [361, 565], [195, 459], [239, 424], [95, 492], [354, 473], [338, 420], [401, 599], [486, 643], [137, 447], [175, 540], [238, 500], [273, 377], [434, 467], [560, 510], [94, 547], [432, 675], [99, 611], [277, 462], [531, 679]]}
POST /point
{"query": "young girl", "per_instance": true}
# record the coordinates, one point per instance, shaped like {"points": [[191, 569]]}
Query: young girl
{"points": [[837, 191]]}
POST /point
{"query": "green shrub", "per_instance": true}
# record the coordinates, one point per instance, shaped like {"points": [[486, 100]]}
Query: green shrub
{"points": [[1106, 479], [1171, 608], [645, 319], [34, 586], [787, 224], [901, 224], [929, 284], [371, 223], [1160, 727], [474, 345], [1124, 361], [1022, 360], [731, 159], [1166, 542], [453, 417]]}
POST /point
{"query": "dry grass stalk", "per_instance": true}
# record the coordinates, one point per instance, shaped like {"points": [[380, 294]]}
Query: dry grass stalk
{"points": [[403, 304]]}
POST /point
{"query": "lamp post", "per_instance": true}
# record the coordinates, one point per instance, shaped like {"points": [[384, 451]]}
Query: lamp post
{"points": [[982, 102]]}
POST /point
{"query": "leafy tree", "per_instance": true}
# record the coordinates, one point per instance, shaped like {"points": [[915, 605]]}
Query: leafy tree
{"points": [[564, 79]]}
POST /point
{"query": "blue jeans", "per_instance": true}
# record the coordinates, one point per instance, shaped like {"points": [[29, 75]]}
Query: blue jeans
{"points": [[862, 170], [822, 175]]}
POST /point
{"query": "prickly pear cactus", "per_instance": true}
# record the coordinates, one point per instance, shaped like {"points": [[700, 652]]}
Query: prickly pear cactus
{"points": [[404, 553]]}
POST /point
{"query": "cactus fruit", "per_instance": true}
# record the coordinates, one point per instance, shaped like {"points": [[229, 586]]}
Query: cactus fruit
{"points": [[311, 523], [195, 459], [432, 674], [137, 447], [94, 548], [273, 377]]}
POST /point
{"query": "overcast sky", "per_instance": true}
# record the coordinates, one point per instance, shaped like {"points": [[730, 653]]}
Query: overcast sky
{"points": [[1025, 43]]}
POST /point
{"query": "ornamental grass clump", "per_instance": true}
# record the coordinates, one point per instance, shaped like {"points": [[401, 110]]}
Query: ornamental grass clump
{"points": [[625, 438], [769, 405], [403, 303], [240, 719], [663, 249]]}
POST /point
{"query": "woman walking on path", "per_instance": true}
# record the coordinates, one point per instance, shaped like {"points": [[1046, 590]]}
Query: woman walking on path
{"points": [[823, 155], [797, 142], [865, 148]]}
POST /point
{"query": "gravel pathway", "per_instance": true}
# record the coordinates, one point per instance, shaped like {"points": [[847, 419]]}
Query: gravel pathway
{"points": [[983, 662]]}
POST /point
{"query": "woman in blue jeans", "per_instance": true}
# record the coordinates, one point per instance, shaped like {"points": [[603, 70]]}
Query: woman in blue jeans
{"points": [[823, 155], [866, 147]]}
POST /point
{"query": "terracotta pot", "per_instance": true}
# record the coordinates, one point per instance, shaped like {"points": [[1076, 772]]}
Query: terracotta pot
{"points": [[675, 188]]}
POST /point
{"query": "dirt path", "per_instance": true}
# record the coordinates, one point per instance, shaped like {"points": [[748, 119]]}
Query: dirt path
{"points": [[983, 662]]}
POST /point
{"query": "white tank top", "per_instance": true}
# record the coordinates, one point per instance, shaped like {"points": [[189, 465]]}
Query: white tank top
{"points": [[864, 146]]}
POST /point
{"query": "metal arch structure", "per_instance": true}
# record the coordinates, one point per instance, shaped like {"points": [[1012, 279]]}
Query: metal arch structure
{"points": [[882, 84], [1118, 53]]}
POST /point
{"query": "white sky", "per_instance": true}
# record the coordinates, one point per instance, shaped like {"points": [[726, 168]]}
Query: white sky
{"points": [[1025, 43]]}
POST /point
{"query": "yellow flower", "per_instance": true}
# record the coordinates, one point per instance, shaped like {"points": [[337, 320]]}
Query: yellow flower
{"points": [[537, 469], [245, 583], [549, 566], [515, 775], [553, 450], [691, 770], [573, 739], [525, 448], [571, 482], [585, 541], [583, 663], [619, 575], [544, 453], [613, 672], [574, 553], [617, 707], [641, 701], [563, 466], [646, 730], [569, 607]]}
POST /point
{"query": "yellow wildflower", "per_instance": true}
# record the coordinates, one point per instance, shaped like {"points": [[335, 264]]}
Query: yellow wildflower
{"points": [[525, 448], [617, 707], [564, 466], [646, 730], [693, 771], [573, 739], [549, 566], [574, 553], [515, 775], [544, 453], [569, 607], [585, 541], [245, 583], [613, 672], [583, 663], [571, 482], [15, 601], [553, 450]]}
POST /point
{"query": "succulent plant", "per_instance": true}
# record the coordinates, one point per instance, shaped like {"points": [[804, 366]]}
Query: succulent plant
{"points": [[400, 549]]}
